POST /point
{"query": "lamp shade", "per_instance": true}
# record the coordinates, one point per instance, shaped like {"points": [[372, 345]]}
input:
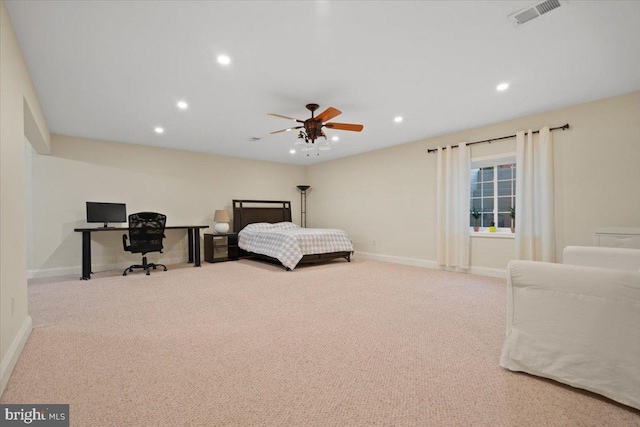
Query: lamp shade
{"points": [[222, 216]]}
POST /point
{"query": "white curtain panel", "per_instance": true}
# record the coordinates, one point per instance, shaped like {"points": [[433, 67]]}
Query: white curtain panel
{"points": [[453, 200], [535, 210]]}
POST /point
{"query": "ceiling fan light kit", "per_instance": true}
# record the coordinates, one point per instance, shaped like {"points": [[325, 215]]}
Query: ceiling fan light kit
{"points": [[312, 128]]}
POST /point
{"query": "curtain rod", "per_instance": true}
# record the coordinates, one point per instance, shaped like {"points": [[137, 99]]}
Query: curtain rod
{"points": [[563, 127]]}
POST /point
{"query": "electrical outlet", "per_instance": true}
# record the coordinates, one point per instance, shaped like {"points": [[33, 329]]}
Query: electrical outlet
{"points": [[13, 304]]}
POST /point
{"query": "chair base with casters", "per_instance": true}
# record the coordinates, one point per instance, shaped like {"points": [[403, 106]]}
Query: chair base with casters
{"points": [[145, 266]]}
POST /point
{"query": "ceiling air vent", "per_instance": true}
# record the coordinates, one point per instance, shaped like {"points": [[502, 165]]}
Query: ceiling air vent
{"points": [[254, 139], [525, 15]]}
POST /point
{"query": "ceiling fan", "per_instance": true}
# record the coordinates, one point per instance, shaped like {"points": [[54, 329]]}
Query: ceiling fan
{"points": [[313, 126]]}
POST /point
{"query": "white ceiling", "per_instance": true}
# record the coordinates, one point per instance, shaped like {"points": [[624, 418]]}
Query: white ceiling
{"points": [[115, 70]]}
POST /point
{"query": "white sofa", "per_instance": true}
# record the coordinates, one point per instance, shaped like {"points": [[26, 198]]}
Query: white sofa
{"points": [[578, 322]]}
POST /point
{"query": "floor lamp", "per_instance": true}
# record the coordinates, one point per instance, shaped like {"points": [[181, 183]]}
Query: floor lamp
{"points": [[303, 204]]}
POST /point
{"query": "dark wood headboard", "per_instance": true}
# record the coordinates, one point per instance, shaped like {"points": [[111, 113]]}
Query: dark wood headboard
{"points": [[247, 212]]}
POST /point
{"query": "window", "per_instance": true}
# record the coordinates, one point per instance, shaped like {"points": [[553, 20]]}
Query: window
{"points": [[493, 190]]}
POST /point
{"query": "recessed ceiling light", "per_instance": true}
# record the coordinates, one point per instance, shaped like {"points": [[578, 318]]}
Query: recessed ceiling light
{"points": [[292, 151], [502, 87], [224, 60], [159, 130], [334, 138], [182, 105], [397, 119]]}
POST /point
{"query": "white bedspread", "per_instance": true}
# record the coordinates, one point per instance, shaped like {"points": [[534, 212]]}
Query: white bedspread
{"points": [[288, 242]]}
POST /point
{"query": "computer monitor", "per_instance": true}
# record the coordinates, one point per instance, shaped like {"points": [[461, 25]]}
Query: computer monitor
{"points": [[106, 212]]}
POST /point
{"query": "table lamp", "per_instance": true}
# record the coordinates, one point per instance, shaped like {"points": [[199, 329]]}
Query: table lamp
{"points": [[222, 220]]}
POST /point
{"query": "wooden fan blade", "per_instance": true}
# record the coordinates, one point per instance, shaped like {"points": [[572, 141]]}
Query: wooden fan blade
{"points": [[284, 130], [328, 114], [284, 117], [345, 126]]}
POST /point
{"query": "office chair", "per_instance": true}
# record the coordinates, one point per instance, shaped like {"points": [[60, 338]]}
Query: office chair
{"points": [[146, 231]]}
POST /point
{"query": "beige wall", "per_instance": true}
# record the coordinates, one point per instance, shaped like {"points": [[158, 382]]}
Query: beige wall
{"points": [[386, 199], [188, 187], [17, 98]]}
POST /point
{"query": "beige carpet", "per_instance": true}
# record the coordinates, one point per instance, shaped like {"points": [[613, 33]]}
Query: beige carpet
{"points": [[249, 344]]}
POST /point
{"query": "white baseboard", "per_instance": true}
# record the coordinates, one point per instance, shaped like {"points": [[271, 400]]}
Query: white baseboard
{"points": [[500, 273], [77, 270], [481, 271], [399, 260], [11, 358], [54, 272]]}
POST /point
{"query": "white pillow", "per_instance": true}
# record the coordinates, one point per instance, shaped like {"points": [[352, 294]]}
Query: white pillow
{"points": [[285, 226], [258, 226], [265, 226]]}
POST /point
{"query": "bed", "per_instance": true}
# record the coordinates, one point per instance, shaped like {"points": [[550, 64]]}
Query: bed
{"points": [[265, 232]]}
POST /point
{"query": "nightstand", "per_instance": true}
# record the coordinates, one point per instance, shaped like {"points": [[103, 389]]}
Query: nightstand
{"points": [[220, 247]]}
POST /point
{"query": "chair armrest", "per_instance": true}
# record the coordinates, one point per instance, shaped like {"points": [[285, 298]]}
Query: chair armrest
{"points": [[124, 242], [575, 279], [593, 256]]}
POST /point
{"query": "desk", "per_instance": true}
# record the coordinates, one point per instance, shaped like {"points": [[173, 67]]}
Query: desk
{"points": [[192, 231]]}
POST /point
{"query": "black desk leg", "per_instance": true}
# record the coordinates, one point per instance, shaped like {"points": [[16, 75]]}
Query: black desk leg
{"points": [[196, 247], [86, 255], [190, 243]]}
